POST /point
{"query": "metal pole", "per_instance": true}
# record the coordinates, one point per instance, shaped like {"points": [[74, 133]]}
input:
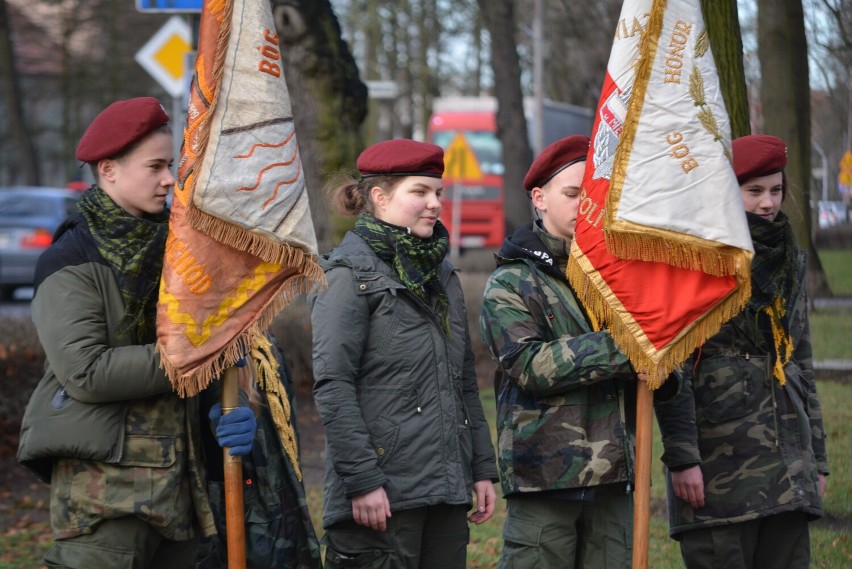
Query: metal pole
{"points": [[455, 221], [177, 127]]}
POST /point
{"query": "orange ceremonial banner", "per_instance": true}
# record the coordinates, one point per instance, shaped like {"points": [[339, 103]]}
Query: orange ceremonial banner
{"points": [[241, 241], [661, 253]]}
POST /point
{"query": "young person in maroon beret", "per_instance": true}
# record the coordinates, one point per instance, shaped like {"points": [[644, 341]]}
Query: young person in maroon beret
{"points": [[744, 441], [408, 445], [565, 444], [104, 427]]}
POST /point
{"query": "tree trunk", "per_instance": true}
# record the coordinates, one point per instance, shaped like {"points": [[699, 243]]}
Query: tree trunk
{"points": [[20, 134], [499, 19], [329, 100], [723, 27], [785, 95]]}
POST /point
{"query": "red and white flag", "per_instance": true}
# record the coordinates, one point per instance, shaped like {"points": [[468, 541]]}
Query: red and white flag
{"points": [[661, 253]]}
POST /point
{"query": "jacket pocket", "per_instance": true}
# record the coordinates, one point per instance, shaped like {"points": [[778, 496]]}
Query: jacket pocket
{"points": [[521, 543], [148, 451], [384, 435], [725, 386], [350, 546], [382, 295]]}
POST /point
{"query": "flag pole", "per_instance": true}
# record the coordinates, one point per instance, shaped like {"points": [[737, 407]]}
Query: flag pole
{"points": [[234, 507], [642, 490]]}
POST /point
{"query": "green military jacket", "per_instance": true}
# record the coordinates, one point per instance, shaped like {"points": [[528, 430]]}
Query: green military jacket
{"points": [[562, 404], [760, 445], [104, 426]]}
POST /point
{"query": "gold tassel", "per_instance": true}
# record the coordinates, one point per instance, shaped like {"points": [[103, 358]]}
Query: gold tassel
{"points": [[782, 341], [266, 375]]}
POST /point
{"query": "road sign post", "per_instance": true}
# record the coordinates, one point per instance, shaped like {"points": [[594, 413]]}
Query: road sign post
{"points": [[459, 164]]}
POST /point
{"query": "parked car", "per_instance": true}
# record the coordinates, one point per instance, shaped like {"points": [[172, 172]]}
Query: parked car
{"points": [[29, 216]]}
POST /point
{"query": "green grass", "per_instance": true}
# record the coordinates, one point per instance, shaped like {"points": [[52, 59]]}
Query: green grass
{"points": [[23, 548], [836, 400], [831, 335], [837, 264], [831, 330]]}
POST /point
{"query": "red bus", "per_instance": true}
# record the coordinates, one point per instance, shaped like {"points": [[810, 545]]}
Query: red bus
{"points": [[481, 200], [482, 219]]}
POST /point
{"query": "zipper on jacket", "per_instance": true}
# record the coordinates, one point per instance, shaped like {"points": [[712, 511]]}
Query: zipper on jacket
{"points": [[464, 405]]}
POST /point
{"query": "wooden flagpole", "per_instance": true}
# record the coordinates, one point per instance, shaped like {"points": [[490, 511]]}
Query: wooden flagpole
{"points": [[642, 489], [234, 506]]}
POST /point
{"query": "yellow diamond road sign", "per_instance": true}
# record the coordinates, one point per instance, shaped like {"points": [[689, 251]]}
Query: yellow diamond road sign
{"points": [[459, 161], [845, 176], [164, 55]]}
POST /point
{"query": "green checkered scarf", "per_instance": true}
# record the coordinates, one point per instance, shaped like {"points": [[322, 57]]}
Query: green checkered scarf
{"points": [[415, 261], [772, 268], [134, 248]]}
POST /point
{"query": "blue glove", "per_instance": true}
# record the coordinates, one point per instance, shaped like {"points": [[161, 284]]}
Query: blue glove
{"points": [[235, 430]]}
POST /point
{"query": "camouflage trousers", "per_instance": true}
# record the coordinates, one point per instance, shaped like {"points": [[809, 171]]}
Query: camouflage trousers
{"points": [[780, 541], [122, 543], [431, 537], [543, 533]]}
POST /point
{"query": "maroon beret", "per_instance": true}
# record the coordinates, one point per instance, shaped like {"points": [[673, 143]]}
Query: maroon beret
{"points": [[402, 157], [758, 155], [555, 158], [120, 125]]}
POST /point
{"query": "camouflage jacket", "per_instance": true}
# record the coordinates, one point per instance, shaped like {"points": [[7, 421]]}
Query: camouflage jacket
{"points": [[279, 531], [104, 417], [760, 445], [560, 386]]}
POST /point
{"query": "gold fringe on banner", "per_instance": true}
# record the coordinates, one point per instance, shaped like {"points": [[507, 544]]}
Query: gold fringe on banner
{"points": [[605, 308], [238, 238], [688, 252]]}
